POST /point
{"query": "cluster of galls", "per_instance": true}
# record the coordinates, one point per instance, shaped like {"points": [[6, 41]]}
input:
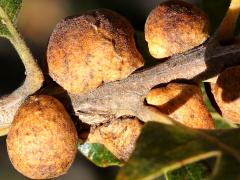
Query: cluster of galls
{"points": [[98, 47]]}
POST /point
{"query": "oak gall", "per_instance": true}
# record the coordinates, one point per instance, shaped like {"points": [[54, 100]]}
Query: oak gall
{"points": [[42, 141], [91, 49], [174, 27]]}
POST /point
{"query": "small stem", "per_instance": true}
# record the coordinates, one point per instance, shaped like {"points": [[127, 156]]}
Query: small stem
{"points": [[34, 76], [227, 28]]}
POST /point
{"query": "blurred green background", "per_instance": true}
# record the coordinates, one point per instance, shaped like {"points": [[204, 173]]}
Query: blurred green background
{"points": [[36, 22]]}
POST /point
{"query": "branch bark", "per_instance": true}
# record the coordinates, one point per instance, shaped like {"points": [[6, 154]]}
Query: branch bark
{"points": [[127, 96]]}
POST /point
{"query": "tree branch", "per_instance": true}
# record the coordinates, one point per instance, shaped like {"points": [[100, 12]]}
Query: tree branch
{"points": [[126, 97]]}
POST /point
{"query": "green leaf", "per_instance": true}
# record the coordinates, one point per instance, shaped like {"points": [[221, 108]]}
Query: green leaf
{"points": [[99, 155], [220, 122], [8, 11], [195, 171], [162, 148]]}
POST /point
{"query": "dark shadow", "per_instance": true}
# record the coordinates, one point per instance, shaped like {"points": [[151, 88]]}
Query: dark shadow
{"points": [[210, 95], [142, 47], [11, 69], [136, 11]]}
